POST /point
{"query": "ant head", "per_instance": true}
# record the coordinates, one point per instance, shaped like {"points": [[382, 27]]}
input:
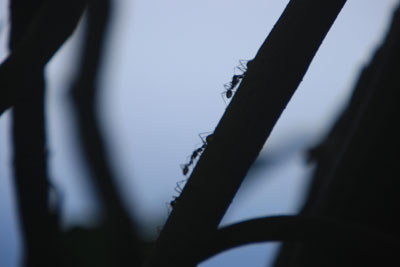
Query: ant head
{"points": [[249, 63], [228, 94], [173, 202], [210, 137]]}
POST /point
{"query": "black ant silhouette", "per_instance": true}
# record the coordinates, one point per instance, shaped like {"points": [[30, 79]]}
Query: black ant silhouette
{"points": [[185, 168], [196, 152], [178, 188], [231, 85], [236, 78], [173, 202]]}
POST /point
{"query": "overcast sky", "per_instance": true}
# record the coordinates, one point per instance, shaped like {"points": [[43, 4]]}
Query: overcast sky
{"points": [[161, 85]]}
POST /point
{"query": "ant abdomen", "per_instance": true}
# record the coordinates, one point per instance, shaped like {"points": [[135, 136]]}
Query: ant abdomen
{"points": [[228, 93], [185, 169]]}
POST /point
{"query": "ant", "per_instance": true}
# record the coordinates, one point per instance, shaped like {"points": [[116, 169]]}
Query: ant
{"points": [[196, 152], [185, 168], [173, 202], [171, 205], [178, 188], [242, 67], [231, 85]]}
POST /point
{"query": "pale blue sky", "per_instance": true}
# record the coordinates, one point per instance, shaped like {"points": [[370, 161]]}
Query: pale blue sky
{"points": [[166, 65]]}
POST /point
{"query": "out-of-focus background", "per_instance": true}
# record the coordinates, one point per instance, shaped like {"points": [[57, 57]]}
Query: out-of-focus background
{"points": [[161, 84]]}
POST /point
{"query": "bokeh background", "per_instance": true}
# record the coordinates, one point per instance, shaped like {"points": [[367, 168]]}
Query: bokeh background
{"points": [[161, 84]]}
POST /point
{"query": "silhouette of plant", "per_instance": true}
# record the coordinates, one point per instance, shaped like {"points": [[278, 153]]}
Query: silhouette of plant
{"points": [[347, 220]]}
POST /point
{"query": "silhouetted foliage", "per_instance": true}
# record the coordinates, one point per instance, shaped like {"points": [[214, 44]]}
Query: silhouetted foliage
{"points": [[347, 220], [356, 175]]}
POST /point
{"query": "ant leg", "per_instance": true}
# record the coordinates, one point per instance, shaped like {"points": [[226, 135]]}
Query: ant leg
{"points": [[225, 95], [203, 137], [228, 91], [179, 186], [168, 207], [228, 86], [242, 65]]}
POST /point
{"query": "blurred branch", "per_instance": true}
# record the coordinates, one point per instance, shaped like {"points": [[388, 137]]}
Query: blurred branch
{"points": [[298, 229], [356, 176], [330, 151], [34, 44], [270, 81], [337, 141], [123, 235], [39, 223]]}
